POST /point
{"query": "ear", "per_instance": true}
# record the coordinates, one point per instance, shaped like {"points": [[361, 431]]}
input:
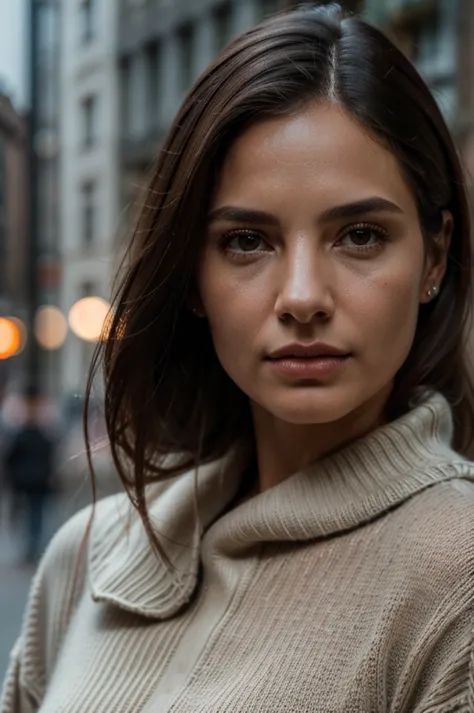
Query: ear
{"points": [[436, 260]]}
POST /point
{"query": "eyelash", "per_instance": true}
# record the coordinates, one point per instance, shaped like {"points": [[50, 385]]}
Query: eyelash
{"points": [[371, 227], [225, 239]]}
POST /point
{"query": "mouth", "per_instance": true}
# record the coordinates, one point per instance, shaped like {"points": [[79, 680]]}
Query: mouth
{"points": [[305, 361], [313, 350]]}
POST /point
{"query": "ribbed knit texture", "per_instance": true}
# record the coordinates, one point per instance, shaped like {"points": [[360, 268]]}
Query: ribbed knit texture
{"points": [[347, 588]]}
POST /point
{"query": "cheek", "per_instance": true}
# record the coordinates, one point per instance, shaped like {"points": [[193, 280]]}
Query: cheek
{"points": [[236, 309], [387, 314]]}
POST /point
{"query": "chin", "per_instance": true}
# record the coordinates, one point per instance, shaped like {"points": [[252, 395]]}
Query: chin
{"points": [[316, 405]]}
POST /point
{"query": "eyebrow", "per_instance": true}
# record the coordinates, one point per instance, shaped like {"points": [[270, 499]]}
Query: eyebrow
{"points": [[374, 204]]}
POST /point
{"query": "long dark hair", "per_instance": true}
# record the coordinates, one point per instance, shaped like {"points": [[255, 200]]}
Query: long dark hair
{"points": [[169, 405]]}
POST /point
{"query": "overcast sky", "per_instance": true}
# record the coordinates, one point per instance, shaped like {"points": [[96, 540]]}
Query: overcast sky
{"points": [[13, 49]]}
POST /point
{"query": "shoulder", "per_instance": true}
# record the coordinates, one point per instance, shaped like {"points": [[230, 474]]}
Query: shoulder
{"points": [[448, 505], [53, 577], [60, 580], [451, 502], [73, 551], [66, 544], [435, 531], [434, 566]]}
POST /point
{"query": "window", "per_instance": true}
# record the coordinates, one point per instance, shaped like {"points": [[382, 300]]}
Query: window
{"points": [[222, 17], [88, 210], [428, 37], [186, 55], [89, 121], [88, 9], [153, 81]]}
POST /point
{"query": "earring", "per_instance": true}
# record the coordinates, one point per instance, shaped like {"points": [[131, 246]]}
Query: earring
{"points": [[197, 312], [432, 292]]}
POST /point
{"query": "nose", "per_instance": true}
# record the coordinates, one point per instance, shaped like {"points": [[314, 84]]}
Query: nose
{"points": [[306, 290]]}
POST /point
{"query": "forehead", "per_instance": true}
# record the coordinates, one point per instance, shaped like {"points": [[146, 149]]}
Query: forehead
{"points": [[318, 153]]}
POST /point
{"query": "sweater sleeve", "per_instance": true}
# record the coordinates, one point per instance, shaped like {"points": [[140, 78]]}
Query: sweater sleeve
{"points": [[15, 695], [440, 676], [450, 670], [54, 590]]}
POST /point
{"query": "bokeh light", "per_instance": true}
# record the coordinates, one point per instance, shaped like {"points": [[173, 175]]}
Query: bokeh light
{"points": [[22, 331], [50, 327], [87, 318], [10, 338]]}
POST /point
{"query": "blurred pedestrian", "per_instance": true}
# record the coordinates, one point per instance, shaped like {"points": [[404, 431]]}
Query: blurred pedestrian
{"points": [[28, 464]]}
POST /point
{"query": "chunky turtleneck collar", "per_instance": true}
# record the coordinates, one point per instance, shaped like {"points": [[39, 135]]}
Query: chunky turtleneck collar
{"points": [[341, 492]]}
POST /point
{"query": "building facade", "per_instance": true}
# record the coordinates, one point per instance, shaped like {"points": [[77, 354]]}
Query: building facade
{"points": [[13, 204], [13, 224], [428, 32], [437, 36], [465, 90], [44, 244], [89, 165], [163, 45]]}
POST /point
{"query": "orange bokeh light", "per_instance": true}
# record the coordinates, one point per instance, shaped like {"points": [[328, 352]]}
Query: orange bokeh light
{"points": [[50, 327], [88, 318], [10, 338]]}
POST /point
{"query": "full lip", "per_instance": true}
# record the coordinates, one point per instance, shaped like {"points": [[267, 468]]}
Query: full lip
{"points": [[307, 350]]}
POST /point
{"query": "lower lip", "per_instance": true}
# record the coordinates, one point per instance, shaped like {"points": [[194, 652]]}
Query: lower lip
{"points": [[308, 368]]}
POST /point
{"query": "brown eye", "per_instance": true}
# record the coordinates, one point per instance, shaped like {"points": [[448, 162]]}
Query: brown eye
{"points": [[245, 242], [248, 242], [363, 237]]}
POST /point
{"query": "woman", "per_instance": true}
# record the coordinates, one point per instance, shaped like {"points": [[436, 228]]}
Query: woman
{"points": [[288, 403]]}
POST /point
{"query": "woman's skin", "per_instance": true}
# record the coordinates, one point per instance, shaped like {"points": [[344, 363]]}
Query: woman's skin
{"points": [[317, 268]]}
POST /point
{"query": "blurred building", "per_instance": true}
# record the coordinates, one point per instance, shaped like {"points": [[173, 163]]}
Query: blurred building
{"points": [[163, 45], [437, 36], [428, 31], [89, 164], [465, 87], [13, 220], [13, 217], [44, 237]]}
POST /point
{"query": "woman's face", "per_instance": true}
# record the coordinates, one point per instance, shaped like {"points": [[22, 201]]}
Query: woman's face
{"points": [[314, 266]]}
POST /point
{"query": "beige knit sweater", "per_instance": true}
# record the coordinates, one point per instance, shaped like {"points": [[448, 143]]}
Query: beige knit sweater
{"points": [[347, 588]]}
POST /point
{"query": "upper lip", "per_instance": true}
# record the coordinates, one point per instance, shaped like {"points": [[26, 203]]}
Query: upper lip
{"points": [[308, 349]]}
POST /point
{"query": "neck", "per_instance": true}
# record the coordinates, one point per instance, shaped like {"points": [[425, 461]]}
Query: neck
{"points": [[286, 448]]}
